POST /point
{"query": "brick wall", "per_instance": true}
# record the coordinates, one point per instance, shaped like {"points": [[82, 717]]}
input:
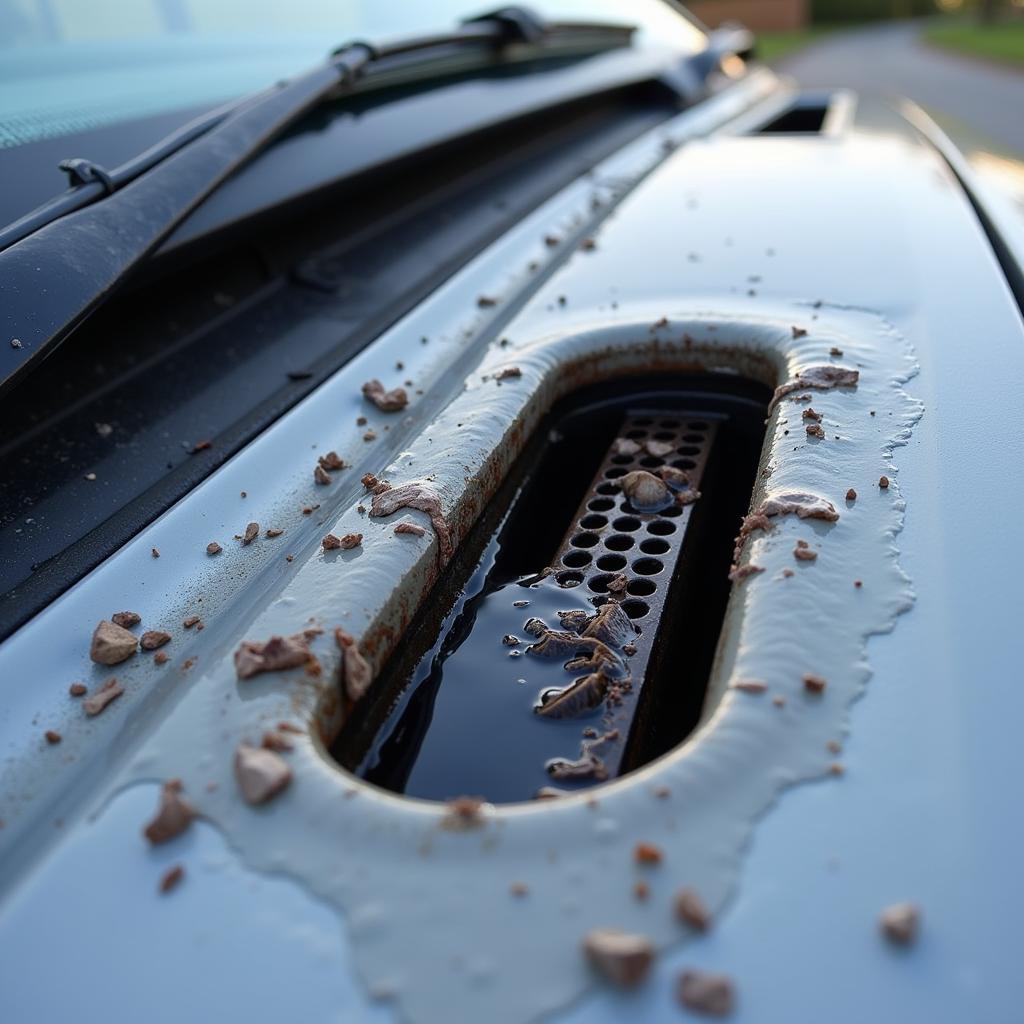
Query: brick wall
{"points": [[758, 15]]}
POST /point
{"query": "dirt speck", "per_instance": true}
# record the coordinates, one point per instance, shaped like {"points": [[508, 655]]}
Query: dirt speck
{"points": [[111, 644], [413, 529], [252, 531], [99, 699], [883, 482], [78, 689], [802, 553], [126, 619], [507, 373], [647, 853], [154, 552], [350, 541], [690, 909], [272, 532], [900, 923], [160, 658], [213, 548], [851, 495], [394, 400], [799, 332], [749, 686], [706, 993], [192, 620], [174, 814], [154, 638], [321, 476], [52, 736], [464, 812], [624, 958], [814, 683], [171, 878], [331, 461], [261, 774]]}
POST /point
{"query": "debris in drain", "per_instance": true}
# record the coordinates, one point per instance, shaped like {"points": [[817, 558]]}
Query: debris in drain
{"points": [[349, 541], [424, 498], [273, 655], [271, 533], [126, 619], [160, 658], [800, 503], [508, 373], [618, 584], [411, 528], [584, 695], [52, 736], [111, 644], [252, 531], [99, 699], [900, 923], [485, 301], [173, 815], [192, 620], [213, 548], [810, 414], [883, 482], [331, 543], [154, 638], [646, 492], [851, 495], [78, 689], [706, 993], [815, 430], [820, 378], [387, 401], [320, 476], [677, 479], [355, 669], [588, 766], [690, 909], [624, 958], [261, 774], [833, 351], [799, 332], [171, 878], [658, 449], [625, 446], [813, 683], [803, 553]]}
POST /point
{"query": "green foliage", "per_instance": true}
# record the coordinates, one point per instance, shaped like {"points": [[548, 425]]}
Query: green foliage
{"points": [[1003, 42], [848, 11]]}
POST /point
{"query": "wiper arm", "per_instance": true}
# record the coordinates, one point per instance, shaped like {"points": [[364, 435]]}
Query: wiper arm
{"points": [[71, 254]]}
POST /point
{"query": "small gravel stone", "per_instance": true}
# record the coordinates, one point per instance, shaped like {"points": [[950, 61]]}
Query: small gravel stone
{"points": [[622, 957], [108, 692], [126, 619], [706, 993], [261, 774], [111, 644], [154, 638], [213, 548], [900, 923]]}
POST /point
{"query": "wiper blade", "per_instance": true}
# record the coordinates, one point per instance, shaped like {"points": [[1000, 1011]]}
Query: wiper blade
{"points": [[73, 253]]}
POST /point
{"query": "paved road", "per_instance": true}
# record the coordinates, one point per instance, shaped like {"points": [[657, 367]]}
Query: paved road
{"points": [[892, 60]]}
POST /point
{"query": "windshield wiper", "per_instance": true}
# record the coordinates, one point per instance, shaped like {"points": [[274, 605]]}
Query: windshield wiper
{"points": [[65, 259]]}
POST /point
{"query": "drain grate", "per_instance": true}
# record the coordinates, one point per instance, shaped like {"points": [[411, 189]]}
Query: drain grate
{"points": [[622, 555]]}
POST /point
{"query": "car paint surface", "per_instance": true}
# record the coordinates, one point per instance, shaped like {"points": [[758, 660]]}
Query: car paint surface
{"points": [[872, 224]]}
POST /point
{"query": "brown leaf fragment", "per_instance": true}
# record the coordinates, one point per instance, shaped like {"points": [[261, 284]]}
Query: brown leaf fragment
{"points": [[272, 532], [749, 686], [369, 481], [332, 461], [647, 853], [815, 430], [801, 503], [273, 740], [799, 332], [421, 496], [813, 683], [99, 699], [274, 655], [213, 548], [811, 414], [411, 528], [387, 401], [900, 923], [507, 373], [252, 531], [706, 993], [126, 619], [174, 814], [171, 878], [350, 541], [331, 543], [690, 909], [78, 689], [356, 671], [111, 644], [52, 736], [192, 620], [624, 958], [804, 554], [739, 573], [261, 774], [154, 638], [822, 378]]}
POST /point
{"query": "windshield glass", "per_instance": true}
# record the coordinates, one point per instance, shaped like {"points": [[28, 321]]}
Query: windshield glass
{"points": [[67, 66]]}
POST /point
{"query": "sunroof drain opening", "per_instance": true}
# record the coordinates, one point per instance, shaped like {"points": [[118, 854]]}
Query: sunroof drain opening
{"points": [[572, 636]]}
